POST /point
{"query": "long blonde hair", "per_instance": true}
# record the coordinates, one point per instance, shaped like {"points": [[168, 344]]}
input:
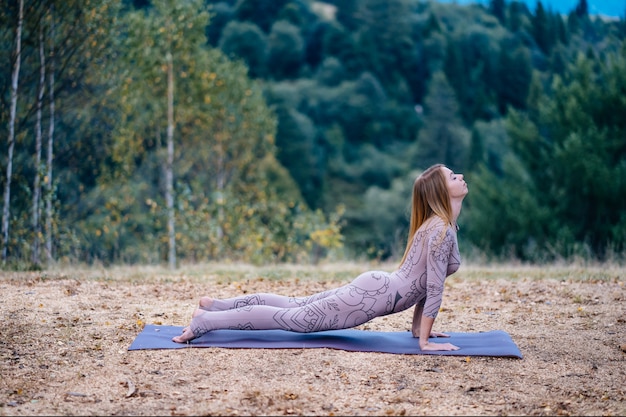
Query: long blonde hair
{"points": [[430, 197]]}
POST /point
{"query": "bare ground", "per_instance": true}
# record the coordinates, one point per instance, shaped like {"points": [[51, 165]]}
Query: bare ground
{"points": [[65, 334]]}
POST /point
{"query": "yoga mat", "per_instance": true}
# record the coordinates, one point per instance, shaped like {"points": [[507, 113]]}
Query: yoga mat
{"points": [[492, 343]]}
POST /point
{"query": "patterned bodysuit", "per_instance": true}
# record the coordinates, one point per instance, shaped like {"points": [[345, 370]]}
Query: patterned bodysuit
{"points": [[434, 255]]}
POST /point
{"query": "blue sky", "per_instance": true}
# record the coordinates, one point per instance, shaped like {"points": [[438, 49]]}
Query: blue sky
{"points": [[613, 8]]}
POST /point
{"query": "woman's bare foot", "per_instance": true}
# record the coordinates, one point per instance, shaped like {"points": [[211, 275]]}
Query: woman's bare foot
{"points": [[206, 303], [187, 333], [185, 337]]}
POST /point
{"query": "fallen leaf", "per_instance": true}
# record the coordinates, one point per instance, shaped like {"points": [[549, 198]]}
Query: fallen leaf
{"points": [[131, 388]]}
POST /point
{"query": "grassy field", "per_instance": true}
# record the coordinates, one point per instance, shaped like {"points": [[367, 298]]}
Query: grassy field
{"points": [[333, 272]]}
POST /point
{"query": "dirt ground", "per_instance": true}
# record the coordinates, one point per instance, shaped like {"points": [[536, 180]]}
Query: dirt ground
{"points": [[65, 335]]}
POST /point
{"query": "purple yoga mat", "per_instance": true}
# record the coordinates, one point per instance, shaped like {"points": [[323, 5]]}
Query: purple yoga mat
{"points": [[492, 343]]}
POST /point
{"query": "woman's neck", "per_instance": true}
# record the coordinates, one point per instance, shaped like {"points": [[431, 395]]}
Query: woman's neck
{"points": [[456, 209]]}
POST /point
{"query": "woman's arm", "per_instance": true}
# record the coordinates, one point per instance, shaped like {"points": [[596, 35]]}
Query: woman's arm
{"points": [[417, 320], [437, 262]]}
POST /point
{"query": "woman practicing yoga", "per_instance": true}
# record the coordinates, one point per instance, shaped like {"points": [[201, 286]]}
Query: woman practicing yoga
{"points": [[430, 256]]}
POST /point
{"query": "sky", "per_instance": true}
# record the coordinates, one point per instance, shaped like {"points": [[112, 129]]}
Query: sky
{"points": [[612, 8]]}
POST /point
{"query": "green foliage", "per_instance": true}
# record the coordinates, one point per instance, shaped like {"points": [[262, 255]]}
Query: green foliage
{"points": [[519, 17], [261, 13], [476, 153], [261, 231], [225, 204], [385, 218], [118, 224], [498, 9], [331, 72], [221, 15], [443, 138], [295, 140], [286, 50], [309, 159], [472, 67], [517, 230], [514, 75], [246, 41], [541, 31], [568, 183], [588, 140], [384, 41]]}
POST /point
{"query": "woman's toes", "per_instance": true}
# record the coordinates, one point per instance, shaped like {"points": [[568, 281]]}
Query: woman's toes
{"points": [[185, 337]]}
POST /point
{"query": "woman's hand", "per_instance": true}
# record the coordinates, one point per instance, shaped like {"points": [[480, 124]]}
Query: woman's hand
{"points": [[439, 346]]}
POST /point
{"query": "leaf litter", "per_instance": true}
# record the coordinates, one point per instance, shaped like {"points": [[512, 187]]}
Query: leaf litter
{"points": [[64, 342]]}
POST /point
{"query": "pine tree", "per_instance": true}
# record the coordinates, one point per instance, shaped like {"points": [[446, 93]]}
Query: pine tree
{"points": [[498, 9]]}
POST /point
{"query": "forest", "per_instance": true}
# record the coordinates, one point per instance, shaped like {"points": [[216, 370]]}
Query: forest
{"points": [[270, 131]]}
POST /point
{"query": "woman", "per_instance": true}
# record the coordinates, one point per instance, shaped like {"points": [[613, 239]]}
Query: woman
{"points": [[430, 256]]}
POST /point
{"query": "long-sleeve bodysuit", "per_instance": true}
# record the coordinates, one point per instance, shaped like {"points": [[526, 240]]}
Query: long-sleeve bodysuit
{"points": [[434, 255]]}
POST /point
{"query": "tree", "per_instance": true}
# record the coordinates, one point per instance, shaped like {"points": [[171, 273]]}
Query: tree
{"points": [[498, 9], [582, 8], [314, 44], [432, 25], [295, 141], [17, 60], [455, 69], [541, 29], [221, 15], [246, 41], [331, 72], [443, 139], [476, 150], [519, 16], [168, 33], [561, 35], [347, 13], [471, 68], [514, 76], [384, 43], [261, 13], [518, 231], [169, 166], [38, 146], [286, 50], [385, 218], [50, 147]]}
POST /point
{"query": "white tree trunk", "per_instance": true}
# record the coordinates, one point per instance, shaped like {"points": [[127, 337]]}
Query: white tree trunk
{"points": [[11, 139], [50, 156], [169, 169], [37, 180]]}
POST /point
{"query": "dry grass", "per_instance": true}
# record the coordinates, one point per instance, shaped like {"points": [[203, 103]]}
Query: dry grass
{"points": [[66, 332]]}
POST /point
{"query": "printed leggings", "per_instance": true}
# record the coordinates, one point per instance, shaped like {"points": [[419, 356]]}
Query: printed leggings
{"points": [[369, 295]]}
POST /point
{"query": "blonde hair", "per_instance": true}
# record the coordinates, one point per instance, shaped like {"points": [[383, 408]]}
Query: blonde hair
{"points": [[430, 198]]}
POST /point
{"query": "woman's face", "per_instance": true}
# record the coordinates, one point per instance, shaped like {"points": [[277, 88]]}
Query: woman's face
{"points": [[457, 188]]}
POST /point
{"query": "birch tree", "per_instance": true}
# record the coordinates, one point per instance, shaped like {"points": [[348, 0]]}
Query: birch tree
{"points": [[38, 142], [169, 168], [160, 46], [50, 148], [11, 139]]}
